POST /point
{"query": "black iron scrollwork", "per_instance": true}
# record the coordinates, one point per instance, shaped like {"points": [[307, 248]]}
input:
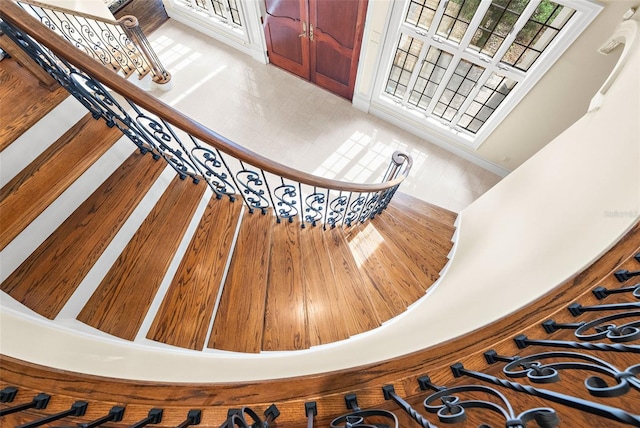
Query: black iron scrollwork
{"points": [[253, 189], [314, 204], [525, 366], [337, 210], [247, 418], [449, 405], [286, 201], [214, 170]]}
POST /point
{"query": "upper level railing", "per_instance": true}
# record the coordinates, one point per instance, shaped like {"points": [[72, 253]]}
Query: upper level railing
{"points": [[120, 45], [195, 151]]}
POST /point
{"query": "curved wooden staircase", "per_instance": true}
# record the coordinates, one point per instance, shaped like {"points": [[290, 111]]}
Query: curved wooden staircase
{"points": [[236, 281], [144, 256]]}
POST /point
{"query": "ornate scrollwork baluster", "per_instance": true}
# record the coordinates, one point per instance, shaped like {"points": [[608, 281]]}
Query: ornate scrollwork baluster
{"points": [[522, 341], [165, 141], [356, 206], [214, 171], [390, 394], [601, 292], [253, 189], [359, 418], [450, 406], [337, 210], [286, 205], [314, 207], [609, 412]]}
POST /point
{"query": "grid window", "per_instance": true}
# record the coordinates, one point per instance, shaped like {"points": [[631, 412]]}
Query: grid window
{"points": [[461, 64], [433, 69], [493, 92], [201, 3], [218, 7], [457, 16], [463, 80], [543, 26], [496, 25], [421, 13], [403, 64], [235, 14]]}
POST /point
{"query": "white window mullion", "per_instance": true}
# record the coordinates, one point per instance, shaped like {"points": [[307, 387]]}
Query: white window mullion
{"points": [[416, 34], [455, 50], [520, 23]]}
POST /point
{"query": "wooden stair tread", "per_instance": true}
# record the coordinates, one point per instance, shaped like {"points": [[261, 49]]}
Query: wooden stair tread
{"points": [[285, 319], [26, 196], [411, 246], [326, 319], [424, 209], [47, 279], [120, 303], [393, 280], [22, 88], [239, 321], [353, 287], [185, 313], [430, 234]]}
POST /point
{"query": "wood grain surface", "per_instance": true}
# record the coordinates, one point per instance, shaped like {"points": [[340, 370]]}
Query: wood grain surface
{"points": [[120, 303], [47, 279]]}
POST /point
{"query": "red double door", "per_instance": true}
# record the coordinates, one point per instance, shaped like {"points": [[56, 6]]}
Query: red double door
{"points": [[319, 40]]}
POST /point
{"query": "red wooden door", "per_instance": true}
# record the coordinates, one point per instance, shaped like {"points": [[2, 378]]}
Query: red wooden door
{"points": [[336, 36], [286, 31], [319, 40]]}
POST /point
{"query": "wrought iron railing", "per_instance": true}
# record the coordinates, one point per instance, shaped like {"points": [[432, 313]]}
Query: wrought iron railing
{"points": [[118, 44], [197, 152]]}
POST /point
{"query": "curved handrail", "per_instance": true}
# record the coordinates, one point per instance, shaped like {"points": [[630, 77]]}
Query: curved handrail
{"points": [[140, 53], [626, 33], [157, 128]]}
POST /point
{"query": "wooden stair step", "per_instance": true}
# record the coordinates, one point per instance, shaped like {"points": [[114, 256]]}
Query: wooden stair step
{"points": [[424, 209], [22, 88], [327, 319], [410, 245], [285, 319], [353, 287], [239, 321], [430, 234], [394, 281], [47, 279], [29, 193], [185, 313], [121, 301]]}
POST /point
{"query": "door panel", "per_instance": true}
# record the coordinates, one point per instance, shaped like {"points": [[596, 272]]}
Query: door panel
{"points": [[335, 46], [337, 19], [286, 34]]}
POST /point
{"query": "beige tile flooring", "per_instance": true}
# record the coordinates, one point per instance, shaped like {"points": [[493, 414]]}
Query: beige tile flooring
{"points": [[289, 120]]}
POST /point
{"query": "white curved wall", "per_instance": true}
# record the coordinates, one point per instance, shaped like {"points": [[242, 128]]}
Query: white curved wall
{"points": [[540, 225]]}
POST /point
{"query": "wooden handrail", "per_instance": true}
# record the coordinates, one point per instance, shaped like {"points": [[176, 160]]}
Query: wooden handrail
{"points": [[20, 19]]}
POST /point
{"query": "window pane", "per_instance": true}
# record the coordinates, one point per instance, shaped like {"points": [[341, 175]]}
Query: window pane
{"points": [[464, 78], [546, 22], [235, 14], [421, 12], [493, 92], [496, 24], [217, 7], [430, 76], [403, 64], [456, 19]]}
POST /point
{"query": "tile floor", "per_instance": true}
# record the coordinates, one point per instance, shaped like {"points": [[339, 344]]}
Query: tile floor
{"points": [[287, 119]]}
